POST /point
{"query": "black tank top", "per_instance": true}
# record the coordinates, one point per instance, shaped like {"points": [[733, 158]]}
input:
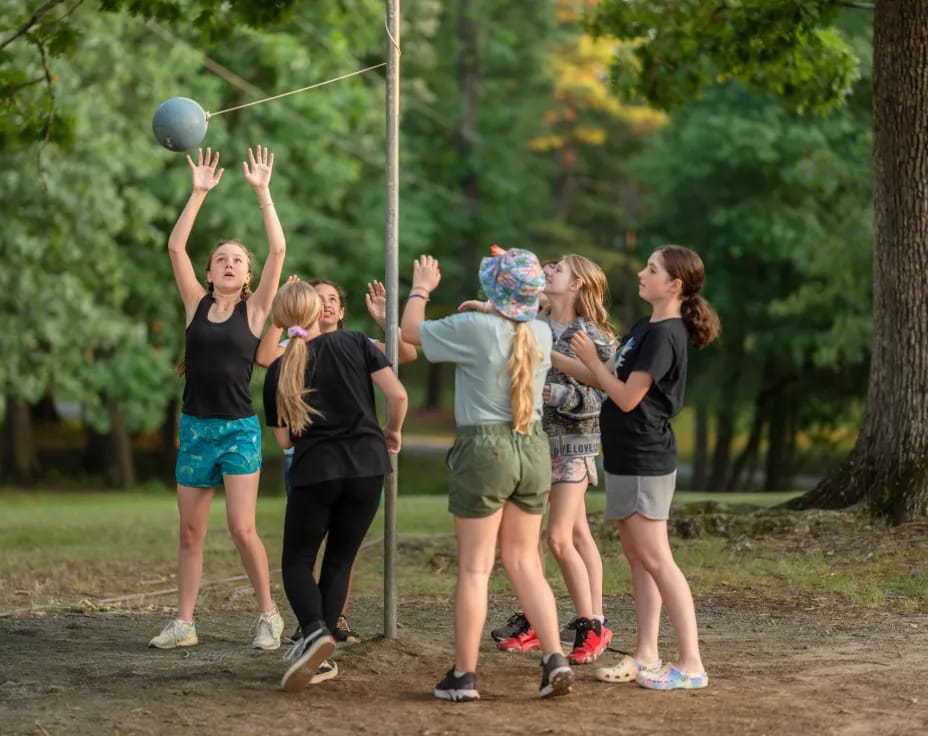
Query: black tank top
{"points": [[219, 359]]}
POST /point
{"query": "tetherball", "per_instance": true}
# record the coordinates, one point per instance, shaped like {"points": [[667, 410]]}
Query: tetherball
{"points": [[179, 124]]}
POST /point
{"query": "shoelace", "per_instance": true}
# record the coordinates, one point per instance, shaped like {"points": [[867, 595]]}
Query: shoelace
{"points": [[583, 627], [296, 649], [265, 619]]}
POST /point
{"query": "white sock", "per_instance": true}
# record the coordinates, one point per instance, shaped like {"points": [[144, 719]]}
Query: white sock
{"points": [[458, 673], [599, 617]]}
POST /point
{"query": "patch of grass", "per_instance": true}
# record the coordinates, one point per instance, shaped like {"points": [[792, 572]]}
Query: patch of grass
{"points": [[63, 548]]}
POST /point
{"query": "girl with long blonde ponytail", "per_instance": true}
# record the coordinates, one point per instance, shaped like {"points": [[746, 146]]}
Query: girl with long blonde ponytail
{"points": [[319, 399], [500, 470]]}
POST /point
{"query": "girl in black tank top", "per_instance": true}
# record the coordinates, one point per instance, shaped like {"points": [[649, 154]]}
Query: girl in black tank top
{"points": [[220, 437]]}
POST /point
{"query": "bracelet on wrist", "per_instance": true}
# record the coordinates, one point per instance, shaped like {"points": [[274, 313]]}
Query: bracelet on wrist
{"points": [[418, 296], [269, 203]]}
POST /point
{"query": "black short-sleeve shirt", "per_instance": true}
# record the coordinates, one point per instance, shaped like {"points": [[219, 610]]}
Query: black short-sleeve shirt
{"points": [[641, 441], [347, 440]]}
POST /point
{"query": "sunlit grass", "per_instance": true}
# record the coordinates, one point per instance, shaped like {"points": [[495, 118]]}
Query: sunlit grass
{"points": [[58, 549]]}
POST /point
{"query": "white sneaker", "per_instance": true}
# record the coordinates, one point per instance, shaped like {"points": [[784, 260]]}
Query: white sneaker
{"points": [[267, 630], [327, 670], [176, 634], [308, 655]]}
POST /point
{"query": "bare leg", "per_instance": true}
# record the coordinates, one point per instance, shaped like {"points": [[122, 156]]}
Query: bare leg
{"points": [[193, 505], [241, 502], [518, 540], [566, 499], [647, 542], [476, 554]]}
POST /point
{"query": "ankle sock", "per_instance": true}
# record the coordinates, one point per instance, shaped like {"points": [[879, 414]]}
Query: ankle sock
{"points": [[599, 617], [458, 673]]}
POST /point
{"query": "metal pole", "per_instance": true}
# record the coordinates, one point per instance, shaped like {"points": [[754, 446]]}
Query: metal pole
{"points": [[392, 285]]}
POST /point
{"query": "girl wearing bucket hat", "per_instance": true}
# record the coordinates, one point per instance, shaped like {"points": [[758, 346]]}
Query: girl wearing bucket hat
{"points": [[575, 290], [500, 472], [645, 383]]}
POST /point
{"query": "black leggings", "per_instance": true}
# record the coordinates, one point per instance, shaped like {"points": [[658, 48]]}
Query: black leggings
{"points": [[343, 509]]}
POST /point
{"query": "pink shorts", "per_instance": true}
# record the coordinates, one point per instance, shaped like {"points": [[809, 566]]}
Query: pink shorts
{"points": [[574, 470]]}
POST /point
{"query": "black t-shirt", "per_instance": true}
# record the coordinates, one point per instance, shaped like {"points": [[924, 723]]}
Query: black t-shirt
{"points": [[641, 442], [346, 441], [218, 360]]}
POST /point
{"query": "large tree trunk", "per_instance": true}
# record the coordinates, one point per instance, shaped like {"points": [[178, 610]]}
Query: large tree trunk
{"points": [[433, 386], [700, 448], [120, 463], [889, 463], [20, 456], [724, 434]]}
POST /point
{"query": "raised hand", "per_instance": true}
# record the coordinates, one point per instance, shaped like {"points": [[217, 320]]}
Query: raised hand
{"points": [[376, 301], [204, 173], [258, 168], [426, 274]]}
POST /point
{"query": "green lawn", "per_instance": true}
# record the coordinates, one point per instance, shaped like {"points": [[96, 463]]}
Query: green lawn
{"points": [[58, 549]]}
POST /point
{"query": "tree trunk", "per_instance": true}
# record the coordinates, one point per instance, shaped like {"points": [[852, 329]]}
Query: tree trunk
{"points": [[700, 448], [433, 386], [20, 455], [725, 432], [747, 456], [778, 465], [888, 466], [169, 440], [120, 463]]}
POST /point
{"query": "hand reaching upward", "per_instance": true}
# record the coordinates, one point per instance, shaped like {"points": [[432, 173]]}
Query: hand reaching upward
{"points": [[204, 173]]}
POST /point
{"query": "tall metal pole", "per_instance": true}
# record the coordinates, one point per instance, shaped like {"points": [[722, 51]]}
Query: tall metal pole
{"points": [[392, 284]]}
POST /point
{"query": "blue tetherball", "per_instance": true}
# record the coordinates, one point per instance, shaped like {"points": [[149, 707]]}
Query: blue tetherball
{"points": [[179, 124]]}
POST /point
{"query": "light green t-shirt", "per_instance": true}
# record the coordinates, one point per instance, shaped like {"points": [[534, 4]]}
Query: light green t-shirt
{"points": [[479, 345]]}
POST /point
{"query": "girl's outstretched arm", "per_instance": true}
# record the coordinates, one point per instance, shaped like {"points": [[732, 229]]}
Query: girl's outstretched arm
{"points": [[205, 177], [258, 169]]}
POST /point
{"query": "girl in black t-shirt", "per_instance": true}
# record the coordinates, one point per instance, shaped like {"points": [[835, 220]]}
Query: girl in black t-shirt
{"points": [[645, 384], [319, 397]]}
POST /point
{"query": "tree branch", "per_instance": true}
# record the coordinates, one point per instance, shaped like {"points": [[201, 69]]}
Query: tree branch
{"points": [[859, 6], [33, 19]]}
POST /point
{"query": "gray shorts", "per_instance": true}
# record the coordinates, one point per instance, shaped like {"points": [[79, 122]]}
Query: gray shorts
{"points": [[647, 495]]}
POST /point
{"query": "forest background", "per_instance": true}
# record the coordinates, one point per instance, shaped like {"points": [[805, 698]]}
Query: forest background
{"points": [[513, 132]]}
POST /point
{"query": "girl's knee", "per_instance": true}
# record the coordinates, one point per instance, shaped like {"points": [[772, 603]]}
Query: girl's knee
{"points": [[560, 542], [242, 533], [192, 536]]}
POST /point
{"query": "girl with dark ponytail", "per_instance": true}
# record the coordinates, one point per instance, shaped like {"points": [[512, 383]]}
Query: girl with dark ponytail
{"points": [[645, 383]]}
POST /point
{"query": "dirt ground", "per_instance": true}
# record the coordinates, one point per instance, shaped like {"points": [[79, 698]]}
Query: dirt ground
{"points": [[772, 671]]}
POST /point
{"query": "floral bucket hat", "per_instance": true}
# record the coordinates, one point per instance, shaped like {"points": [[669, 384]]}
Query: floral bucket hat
{"points": [[513, 282]]}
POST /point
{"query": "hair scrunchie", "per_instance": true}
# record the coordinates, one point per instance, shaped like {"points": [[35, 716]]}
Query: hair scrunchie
{"points": [[297, 331]]}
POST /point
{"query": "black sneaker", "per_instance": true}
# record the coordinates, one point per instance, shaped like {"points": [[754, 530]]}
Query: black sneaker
{"points": [[516, 624], [461, 689], [569, 632], [296, 635], [307, 655], [556, 676], [343, 632]]}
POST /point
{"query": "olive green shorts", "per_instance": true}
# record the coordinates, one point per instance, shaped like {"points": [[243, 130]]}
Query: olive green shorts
{"points": [[490, 464]]}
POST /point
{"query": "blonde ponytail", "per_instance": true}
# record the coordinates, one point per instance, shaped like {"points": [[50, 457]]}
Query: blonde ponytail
{"points": [[523, 360], [296, 305]]}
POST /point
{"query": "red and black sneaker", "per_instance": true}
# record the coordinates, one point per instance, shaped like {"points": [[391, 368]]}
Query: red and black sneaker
{"points": [[515, 624], [524, 640], [587, 643]]}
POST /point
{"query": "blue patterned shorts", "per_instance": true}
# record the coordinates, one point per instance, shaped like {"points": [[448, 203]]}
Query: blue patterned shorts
{"points": [[212, 448]]}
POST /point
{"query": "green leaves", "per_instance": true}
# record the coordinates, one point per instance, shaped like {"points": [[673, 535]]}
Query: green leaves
{"points": [[788, 47]]}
